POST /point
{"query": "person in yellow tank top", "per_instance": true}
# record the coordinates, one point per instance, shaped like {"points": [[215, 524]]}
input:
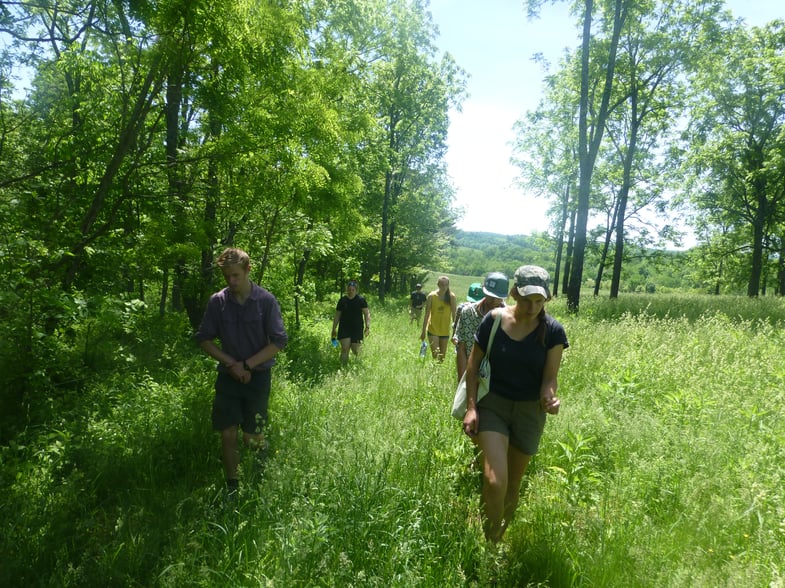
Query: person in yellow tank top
{"points": [[440, 307]]}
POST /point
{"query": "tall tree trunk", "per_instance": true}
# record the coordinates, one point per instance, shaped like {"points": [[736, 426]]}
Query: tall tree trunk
{"points": [[624, 193], [164, 292], [174, 97], [618, 254], [718, 283], [270, 231], [388, 181], [195, 297], [758, 231], [606, 245], [565, 207], [588, 146], [781, 270], [126, 140], [568, 258], [390, 257]]}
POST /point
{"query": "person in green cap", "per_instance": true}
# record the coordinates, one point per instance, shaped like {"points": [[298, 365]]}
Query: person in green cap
{"points": [[493, 292], [475, 292]]}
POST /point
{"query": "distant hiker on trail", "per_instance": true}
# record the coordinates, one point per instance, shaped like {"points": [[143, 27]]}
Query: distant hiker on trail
{"points": [[495, 290], [350, 312], [416, 303], [247, 321], [508, 422], [440, 307]]}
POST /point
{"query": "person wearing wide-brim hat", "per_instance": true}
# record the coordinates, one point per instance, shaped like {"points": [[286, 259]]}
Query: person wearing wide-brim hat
{"points": [[508, 421], [494, 291]]}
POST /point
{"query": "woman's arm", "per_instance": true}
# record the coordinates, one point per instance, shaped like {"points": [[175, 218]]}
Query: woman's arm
{"points": [[426, 317], [470, 420], [550, 403], [336, 320]]}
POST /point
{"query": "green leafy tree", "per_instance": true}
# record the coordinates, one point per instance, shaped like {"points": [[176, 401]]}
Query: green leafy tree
{"points": [[545, 153], [594, 104], [656, 42], [736, 141], [412, 92]]}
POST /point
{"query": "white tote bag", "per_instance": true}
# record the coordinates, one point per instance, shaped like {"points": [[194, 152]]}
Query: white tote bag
{"points": [[459, 402]]}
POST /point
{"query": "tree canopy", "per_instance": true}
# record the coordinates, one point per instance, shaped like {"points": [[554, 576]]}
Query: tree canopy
{"points": [[667, 109]]}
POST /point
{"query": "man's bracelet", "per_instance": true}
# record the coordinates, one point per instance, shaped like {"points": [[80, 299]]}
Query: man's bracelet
{"points": [[246, 366]]}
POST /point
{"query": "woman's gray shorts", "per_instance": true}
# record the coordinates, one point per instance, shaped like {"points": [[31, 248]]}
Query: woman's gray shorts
{"points": [[522, 421]]}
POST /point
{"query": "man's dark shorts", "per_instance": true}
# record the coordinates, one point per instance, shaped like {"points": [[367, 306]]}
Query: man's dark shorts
{"points": [[241, 404]]}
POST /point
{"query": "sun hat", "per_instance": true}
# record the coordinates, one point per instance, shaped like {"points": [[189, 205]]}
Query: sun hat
{"points": [[496, 285], [475, 293], [532, 279]]}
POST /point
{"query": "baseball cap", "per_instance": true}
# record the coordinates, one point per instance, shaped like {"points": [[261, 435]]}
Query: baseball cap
{"points": [[532, 279], [496, 285], [475, 293]]}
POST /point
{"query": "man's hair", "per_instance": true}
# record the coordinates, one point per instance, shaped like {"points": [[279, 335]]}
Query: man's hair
{"points": [[233, 256]]}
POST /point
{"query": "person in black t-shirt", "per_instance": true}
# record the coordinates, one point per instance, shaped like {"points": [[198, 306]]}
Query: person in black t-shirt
{"points": [[416, 304], [509, 420], [350, 313]]}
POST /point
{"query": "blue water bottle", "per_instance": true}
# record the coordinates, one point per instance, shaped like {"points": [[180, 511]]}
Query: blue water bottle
{"points": [[423, 349], [334, 342]]}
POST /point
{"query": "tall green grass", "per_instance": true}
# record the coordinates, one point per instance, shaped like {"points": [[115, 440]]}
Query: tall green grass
{"points": [[664, 468]]}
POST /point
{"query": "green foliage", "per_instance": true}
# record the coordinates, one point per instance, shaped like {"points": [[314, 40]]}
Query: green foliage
{"points": [[644, 269], [480, 253], [692, 307], [151, 138], [732, 152]]}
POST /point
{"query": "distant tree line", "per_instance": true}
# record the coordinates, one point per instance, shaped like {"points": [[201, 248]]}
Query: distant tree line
{"points": [[645, 269]]}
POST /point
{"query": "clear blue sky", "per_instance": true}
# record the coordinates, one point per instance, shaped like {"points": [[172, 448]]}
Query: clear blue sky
{"points": [[494, 42]]}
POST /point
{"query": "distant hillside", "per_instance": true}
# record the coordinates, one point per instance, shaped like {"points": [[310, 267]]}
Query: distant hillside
{"points": [[474, 254], [649, 270]]}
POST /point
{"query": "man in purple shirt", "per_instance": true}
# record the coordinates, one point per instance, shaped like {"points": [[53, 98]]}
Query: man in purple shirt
{"points": [[247, 321]]}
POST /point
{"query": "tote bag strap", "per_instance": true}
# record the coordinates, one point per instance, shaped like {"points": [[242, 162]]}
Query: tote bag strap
{"points": [[496, 322]]}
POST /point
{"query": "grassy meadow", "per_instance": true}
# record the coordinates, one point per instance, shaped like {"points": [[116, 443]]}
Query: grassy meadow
{"points": [[665, 467]]}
